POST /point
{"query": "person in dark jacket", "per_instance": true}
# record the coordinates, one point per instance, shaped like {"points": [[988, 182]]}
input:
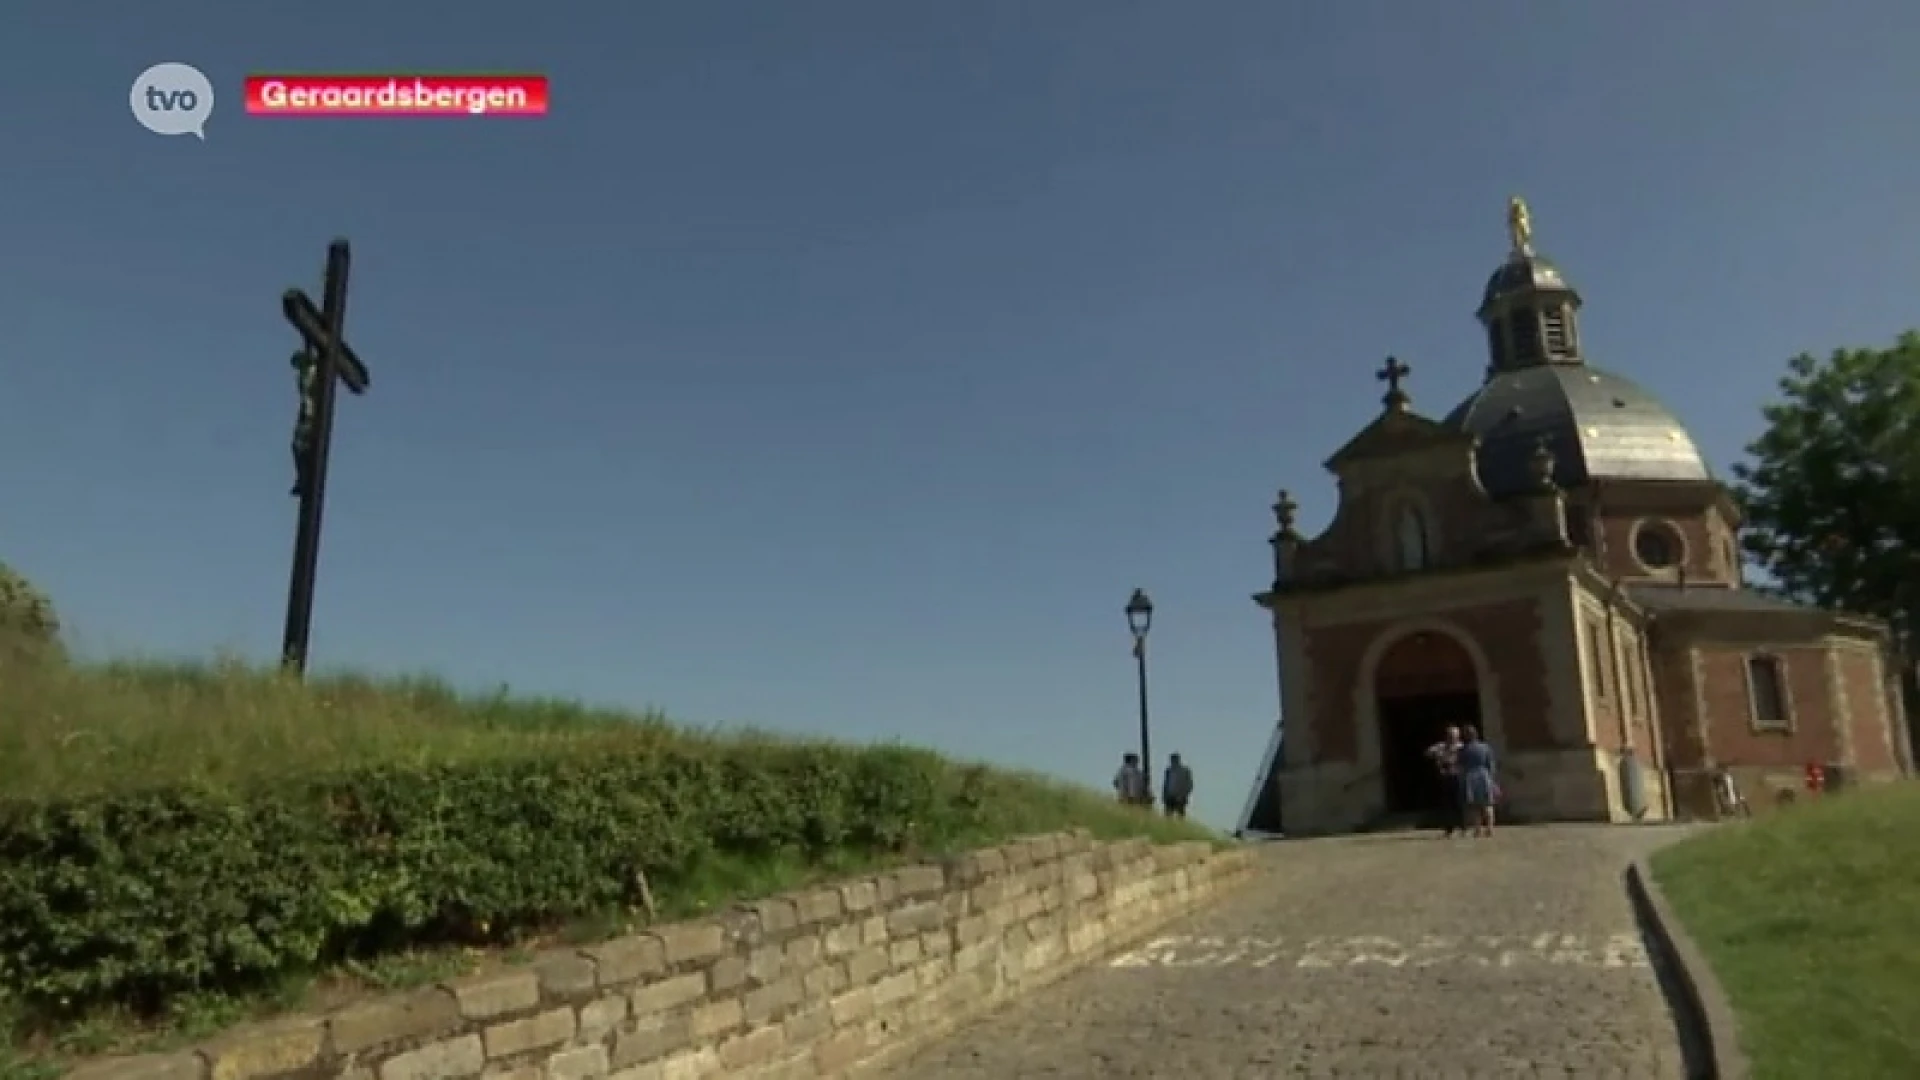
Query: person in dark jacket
{"points": [[1445, 756], [1176, 787]]}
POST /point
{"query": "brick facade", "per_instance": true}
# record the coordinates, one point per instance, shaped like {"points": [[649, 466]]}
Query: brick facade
{"points": [[1597, 657], [1561, 528], [1696, 515]]}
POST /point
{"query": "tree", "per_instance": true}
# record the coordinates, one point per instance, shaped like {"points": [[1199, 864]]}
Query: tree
{"points": [[28, 622], [1831, 494]]}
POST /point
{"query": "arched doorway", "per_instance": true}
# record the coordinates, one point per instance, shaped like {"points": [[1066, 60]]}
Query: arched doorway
{"points": [[1425, 682]]}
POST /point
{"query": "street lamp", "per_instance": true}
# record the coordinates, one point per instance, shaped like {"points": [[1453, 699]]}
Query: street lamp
{"points": [[1140, 620]]}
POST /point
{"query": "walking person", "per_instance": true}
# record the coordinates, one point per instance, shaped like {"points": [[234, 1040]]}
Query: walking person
{"points": [[1176, 787], [1477, 784], [1445, 756], [1130, 783]]}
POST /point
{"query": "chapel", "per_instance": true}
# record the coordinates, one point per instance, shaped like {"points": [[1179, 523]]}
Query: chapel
{"points": [[1554, 563]]}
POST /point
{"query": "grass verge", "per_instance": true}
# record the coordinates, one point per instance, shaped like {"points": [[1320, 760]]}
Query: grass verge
{"points": [[1811, 920], [126, 736]]}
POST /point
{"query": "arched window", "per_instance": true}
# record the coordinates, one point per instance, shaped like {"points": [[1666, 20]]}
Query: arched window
{"points": [[1410, 538]]}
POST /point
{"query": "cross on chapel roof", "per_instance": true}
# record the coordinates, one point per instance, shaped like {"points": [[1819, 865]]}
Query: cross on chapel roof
{"points": [[1391, 374]]}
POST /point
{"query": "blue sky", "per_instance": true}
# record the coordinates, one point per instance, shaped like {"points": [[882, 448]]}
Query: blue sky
{"points": [[841, 367]]}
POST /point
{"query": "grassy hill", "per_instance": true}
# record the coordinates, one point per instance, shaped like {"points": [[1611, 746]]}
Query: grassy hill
{"points": [[184, 846], [1811, 919]]}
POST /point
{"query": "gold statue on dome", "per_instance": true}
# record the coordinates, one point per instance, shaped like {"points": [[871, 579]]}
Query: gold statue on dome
{"points": [[1520, 226]]}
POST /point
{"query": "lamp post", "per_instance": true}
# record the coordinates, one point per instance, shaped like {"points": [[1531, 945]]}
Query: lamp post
{"points": [[1140, 620]]}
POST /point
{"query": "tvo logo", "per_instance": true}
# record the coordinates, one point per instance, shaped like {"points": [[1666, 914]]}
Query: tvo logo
{"points": [[172, 99]]}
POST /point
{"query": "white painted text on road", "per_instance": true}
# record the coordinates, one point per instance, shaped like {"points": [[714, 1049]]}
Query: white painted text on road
{"points": [[1554, 949]]}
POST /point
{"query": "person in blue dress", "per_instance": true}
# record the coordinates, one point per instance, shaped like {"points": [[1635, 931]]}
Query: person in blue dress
{"points": [[1477, 786]]}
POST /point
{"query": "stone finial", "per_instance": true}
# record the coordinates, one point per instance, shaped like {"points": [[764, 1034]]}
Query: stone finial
{"points": [[1284, 511], [1540, 464], [1285, 539], [1392, 373]]}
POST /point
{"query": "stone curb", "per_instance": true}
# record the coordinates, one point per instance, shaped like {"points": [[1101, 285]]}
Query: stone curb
{"points": [[1703, 1005]]}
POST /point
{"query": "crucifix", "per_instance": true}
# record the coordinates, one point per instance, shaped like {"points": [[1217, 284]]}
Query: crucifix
{"points": [[323, 358], [1391, 374]]}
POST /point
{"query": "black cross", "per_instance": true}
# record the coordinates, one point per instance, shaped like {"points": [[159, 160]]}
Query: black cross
{"points": [[1392, 373], [324, 356]]}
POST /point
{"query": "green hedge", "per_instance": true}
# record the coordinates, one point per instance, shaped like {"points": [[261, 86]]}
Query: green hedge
{"points": [[134, 897]]}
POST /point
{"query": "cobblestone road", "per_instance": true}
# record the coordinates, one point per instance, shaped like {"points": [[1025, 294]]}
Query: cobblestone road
{"points": [[1382, 956]]}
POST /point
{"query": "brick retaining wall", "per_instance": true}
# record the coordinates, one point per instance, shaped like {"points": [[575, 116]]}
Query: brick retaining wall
{"points": [[816, 983]]}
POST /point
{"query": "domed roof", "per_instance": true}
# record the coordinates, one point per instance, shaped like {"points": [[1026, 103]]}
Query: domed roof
{"points": [[1523, 272], [1597, 424]]}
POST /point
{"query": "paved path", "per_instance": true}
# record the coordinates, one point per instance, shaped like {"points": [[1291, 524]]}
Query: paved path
{"points": [[1383, 956]]}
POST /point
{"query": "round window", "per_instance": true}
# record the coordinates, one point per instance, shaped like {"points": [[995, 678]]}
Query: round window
{"points": [[1655, 545]]}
